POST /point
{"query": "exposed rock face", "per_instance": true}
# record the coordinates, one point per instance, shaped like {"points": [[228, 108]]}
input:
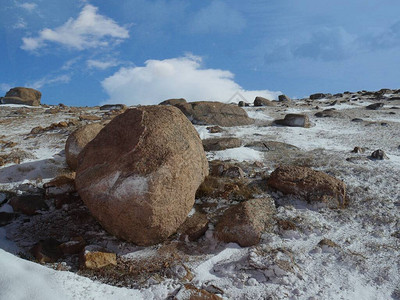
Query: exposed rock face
{"points": [[22, 95], [77, 140], [317, 96], [284, 98], [375, 106], [215, 113], [221, 143], [245, 222], [295, 120], [139, 175], [312, 186], [260, 101], [173, 101]]}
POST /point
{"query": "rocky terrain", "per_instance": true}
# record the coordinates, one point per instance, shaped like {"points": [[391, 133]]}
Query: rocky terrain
{"points": [[302, 200]]}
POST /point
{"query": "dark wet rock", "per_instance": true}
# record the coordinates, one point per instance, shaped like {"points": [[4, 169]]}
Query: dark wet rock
{"points": [[47, 251], [358, 150], [215, 129], [284, 98], [6, 218], [375, 106], [216, 144], [173, 101], [317, 96], [358, 120], [194, 227], [379, 155], [28, 204], [295, 120]]}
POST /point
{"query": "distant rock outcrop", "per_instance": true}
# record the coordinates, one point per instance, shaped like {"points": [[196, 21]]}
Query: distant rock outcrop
{"points": [[215, 113], [245, 222], [173, 101], [284, 98], [310, 185], [317, 96], [77, 140], [139, 175], [260, 101], [23, 96]]}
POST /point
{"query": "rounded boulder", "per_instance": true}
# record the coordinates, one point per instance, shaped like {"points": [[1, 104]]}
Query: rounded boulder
{"points": [[139, 175]]}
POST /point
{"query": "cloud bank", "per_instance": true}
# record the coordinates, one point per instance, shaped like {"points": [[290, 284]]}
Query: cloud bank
{"points": [[180, 77], [89, 30]]}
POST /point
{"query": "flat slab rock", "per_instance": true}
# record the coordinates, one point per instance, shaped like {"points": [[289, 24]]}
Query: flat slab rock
{"points": [[310, 185], [215, 113], [216, 144]]}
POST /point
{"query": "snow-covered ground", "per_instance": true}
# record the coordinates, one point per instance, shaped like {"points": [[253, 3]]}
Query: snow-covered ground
{"points": [[363, 262]]}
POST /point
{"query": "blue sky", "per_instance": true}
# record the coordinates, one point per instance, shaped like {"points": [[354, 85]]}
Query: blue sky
{"points": [[141, 52]]}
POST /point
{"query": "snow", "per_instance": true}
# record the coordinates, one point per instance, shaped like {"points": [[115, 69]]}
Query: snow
{"points": [[238, 154]]}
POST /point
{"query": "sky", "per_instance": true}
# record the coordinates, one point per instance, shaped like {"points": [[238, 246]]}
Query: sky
{"points": [[91, 52]]}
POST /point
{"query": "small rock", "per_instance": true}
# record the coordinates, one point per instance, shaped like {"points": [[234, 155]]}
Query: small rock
{"points": [[358, 150], [47, 251], [233, 172], [379, 155], [260, 101], [194, 227], [89, 118], [37, 130], [190, 292], [215, 129], [28, 204], [60, 185], [284, 98], [295, 120], [317, 96], [95, 257], [244, 223], [74, 246], [6, 218], [216, 144], [357, 120], [375, 106]]}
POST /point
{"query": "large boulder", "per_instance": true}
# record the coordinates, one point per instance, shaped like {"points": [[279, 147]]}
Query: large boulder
{"points": [[244, 223], [139, 175], [173, 101], [23, 96], [284, 98], [295, 120], [260, 101], [215, 113], [77, 140], [310, 185]]}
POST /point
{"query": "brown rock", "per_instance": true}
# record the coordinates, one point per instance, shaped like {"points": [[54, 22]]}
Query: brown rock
{"points": [[22, 95], [284, 98], [216, 144], [215, 129], [215, 113], [139, 175], [95, 257], [173, 101], [295, 120], [190, 292], [117, 107], [28, 204], [193, 227], [358, 150], [61, 185], [89, 118], [312, 186], [47, 251], [245, 222], [74, 246], [260, 101], [77, 140]]}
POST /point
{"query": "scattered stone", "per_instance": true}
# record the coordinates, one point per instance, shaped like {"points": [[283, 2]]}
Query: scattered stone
{"points": [[60, 185], [190, 292], [37, 130], [23, 96], [89, 118], [328, 113], [47, 251], [77, 140], [215, 129], [117, 107], [233, 172], [271, 146], [379, 155], [216, 144], [244, 223], [74, 246], [95, 257], [173, 101], [317, 96], [274, 262], [284, 98], [139, 175], [194, 227], [242, 104], [6, 218], [375, 106], [358, 150], [28, 204], [52, 111], [295, 120], [260, 101], [328, 246], [358, 120], [312, 186], [215, 113]]}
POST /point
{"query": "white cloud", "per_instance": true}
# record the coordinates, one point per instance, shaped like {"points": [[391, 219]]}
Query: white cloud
{"points": [[49, 80], [101, 64], [89, 30], [20, 24], [5, 87], [29, 6], [175, 78]]}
